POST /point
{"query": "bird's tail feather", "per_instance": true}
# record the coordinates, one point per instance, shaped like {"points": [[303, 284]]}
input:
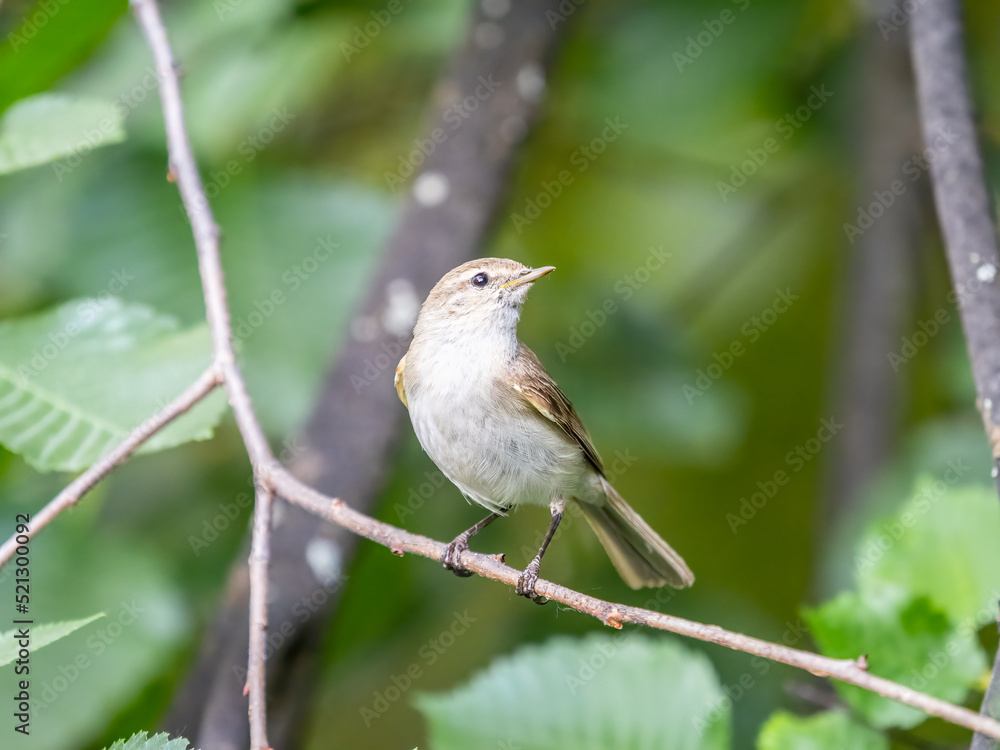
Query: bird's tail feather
{"points": [[641, 557]]}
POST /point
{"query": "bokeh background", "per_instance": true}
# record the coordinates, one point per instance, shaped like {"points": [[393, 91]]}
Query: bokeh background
{"points": [[691, 268]]}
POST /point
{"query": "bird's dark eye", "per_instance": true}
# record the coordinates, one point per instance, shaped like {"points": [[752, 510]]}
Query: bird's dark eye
{"points": [[480, 280]]}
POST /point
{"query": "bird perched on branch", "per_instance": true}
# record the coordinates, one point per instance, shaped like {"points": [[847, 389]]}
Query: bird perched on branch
{"points": [[499, 428]]}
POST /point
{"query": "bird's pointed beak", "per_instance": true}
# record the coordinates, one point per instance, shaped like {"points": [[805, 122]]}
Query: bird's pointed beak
{"points": [[529, 276]]}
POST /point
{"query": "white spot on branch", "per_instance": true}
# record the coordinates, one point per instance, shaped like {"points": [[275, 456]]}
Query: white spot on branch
{"points": [[402, 307], [431, 189], [530, 82], [323, 558]]}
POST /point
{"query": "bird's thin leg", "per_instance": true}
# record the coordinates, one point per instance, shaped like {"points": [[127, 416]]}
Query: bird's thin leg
{"points": [[529, 577], [452, 552]]}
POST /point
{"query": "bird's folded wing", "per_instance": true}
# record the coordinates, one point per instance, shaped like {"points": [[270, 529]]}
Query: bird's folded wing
{"points": [[535, 386], [398, 381]]}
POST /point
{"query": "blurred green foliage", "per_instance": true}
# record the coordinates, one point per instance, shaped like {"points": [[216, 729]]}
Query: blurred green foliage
{"points": [[293, 140], [828, 729], [627, 691], [140, 741]]}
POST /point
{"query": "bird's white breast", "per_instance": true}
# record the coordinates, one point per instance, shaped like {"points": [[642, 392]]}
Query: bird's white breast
{"points": [[493, 445]]}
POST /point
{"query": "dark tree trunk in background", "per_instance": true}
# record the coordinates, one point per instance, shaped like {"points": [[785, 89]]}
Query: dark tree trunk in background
{"points": [[350, 437], [876, 303], [963, 207]]}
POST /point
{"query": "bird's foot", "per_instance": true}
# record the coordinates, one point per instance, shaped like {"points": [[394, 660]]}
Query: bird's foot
{"points": [[526, 583], [452, 552]]}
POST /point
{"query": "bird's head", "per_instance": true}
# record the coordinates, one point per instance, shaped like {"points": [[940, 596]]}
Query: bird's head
{"points": [[481, 293]]}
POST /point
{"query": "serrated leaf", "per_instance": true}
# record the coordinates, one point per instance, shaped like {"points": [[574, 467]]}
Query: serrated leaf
{"points": [[627, 691], [907, 639], [160, 741], [41, 635], [80, 681], [74, 381], [943, 545], [47, 127], [829, 729]]}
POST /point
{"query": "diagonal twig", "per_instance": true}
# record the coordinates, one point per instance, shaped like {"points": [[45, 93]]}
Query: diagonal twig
{"points": [[184, 171], [354, 428], [271, 478], [851, 671], [71, 495]]}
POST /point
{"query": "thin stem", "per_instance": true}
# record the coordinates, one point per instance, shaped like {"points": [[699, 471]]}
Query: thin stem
{"points": [[260, 556], [70, 496], [963, 208], [273, 479], [184, 172], [851, 671]]}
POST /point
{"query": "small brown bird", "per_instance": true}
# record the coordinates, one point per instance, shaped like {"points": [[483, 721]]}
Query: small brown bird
{"points": [[499, 428]]}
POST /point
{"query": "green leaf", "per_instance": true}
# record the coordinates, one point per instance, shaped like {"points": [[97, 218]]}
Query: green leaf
{"points": [[907, 640], [156, 742], [79, 682], [626, 691], [47, 127], [784, 731], [942, 545], [75, 380], [41, 635]]}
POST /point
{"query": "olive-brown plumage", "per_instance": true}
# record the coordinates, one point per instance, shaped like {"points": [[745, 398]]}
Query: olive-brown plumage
{"points": [[499, 428]]}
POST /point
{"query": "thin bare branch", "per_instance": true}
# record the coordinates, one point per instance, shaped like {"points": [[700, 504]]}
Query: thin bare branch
{"points": [[355, 425], [272, 478], [963, 204], [184, 172], [260, 556], [963, 208], [199, 389], [851, 671]]}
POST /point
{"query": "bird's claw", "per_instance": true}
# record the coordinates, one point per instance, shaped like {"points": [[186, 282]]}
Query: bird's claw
{"points": [[452, 552], [526, 583]]}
